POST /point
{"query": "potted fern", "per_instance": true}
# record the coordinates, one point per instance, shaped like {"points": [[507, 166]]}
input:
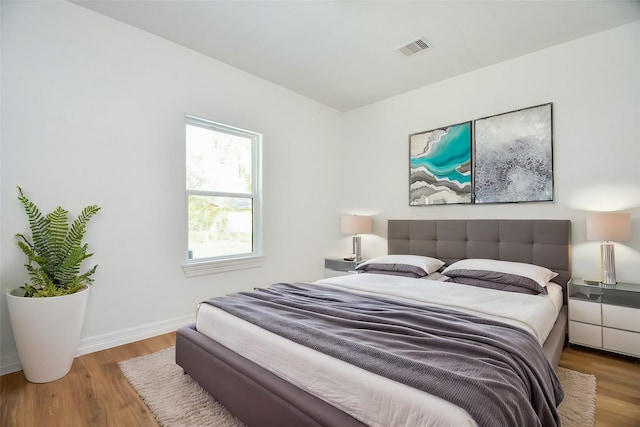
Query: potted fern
{"points": [[47, 314]]}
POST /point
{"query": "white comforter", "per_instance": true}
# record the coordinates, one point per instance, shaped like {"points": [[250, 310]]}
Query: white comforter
{"points": [[533, 313], [372, 399]]}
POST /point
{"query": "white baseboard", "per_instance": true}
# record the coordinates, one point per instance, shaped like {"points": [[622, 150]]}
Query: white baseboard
{"points": [[11, 363]]}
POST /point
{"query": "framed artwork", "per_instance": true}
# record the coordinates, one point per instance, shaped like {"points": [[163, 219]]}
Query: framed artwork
{"points": [[513, 157], [440, 166]]}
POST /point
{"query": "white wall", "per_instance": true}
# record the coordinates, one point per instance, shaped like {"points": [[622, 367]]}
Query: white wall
{"points": [[93, 112], [594, 85]]}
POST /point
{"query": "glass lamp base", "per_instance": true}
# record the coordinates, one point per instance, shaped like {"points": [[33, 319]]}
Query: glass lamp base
{"points": [[608, 263]]}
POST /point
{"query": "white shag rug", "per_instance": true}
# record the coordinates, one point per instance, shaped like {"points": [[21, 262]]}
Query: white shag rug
{"points": [[176, 400]]}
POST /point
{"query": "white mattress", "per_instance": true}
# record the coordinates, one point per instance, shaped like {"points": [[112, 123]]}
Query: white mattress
{"points": [[370, 398]]}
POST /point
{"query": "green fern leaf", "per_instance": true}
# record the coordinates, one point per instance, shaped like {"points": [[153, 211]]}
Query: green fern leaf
{"points": [[38, 225], [70, 266], [78, 227], [58, 228]]}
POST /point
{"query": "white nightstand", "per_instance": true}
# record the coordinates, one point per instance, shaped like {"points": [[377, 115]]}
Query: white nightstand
{"points": [[605, 316], [338, 267]]}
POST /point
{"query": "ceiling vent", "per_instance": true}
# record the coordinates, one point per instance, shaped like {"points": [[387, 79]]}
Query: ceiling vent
{"points": [[414, 47]]}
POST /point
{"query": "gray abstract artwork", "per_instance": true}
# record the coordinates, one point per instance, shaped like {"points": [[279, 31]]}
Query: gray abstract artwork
{"points": [[514, 157]]}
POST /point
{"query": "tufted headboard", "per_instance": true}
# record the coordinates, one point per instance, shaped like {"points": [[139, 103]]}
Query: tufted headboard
{"points": [[536, 241]]}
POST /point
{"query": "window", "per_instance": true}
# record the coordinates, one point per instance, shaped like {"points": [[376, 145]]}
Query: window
{"points": [[223, 198]]}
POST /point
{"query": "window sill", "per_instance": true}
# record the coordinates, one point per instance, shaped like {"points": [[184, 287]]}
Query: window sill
{"points": [[221, 266]]}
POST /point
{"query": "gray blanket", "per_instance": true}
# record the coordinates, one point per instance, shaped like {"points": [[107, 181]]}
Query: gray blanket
{"points": [[496, 372]]}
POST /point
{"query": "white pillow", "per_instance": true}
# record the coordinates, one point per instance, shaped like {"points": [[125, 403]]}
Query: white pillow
{"points": [[539, 274], [400, 262], [436, 275]]}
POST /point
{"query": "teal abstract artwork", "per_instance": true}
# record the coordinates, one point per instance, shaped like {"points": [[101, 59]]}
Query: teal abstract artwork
{"points": [[440, 166]]}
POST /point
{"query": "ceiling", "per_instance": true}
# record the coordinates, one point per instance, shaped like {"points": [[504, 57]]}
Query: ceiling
{"points": [[344, 53]]}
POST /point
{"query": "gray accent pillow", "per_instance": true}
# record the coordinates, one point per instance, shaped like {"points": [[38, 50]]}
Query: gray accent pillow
{"points": [[402, 265], [538, 274], [496, 280], [392, 269]]}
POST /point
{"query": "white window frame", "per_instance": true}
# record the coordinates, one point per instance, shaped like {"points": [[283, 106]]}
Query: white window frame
{"points": [[222, 264]]}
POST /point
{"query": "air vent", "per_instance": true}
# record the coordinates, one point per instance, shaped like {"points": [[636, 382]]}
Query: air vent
{"points": [[414, 47]]}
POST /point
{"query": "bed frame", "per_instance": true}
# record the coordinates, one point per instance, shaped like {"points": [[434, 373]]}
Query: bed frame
{"points": [[258, 397]]}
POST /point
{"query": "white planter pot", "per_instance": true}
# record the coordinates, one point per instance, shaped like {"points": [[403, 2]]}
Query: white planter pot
{"points": [[47, 332]]}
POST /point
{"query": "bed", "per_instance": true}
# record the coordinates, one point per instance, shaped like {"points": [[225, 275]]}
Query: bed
{"points": [[258, 396]]}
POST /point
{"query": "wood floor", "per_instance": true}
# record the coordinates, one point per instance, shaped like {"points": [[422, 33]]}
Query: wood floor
{"points": [[95, 393], [617, 384]]}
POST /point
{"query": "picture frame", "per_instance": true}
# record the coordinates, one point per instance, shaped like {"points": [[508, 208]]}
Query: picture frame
{"points": [[513, 156], [440, 166]]}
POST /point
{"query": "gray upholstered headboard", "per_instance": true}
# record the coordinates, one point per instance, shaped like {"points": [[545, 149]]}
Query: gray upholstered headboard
{"points": [[535, 241]]}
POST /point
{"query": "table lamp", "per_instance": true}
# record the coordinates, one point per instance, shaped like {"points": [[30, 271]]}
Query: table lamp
{"points": [[354, 224], [607, 227]]}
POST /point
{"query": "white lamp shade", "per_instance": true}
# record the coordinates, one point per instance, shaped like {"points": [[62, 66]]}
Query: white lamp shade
{"points": [[354, 224], [611, 226]]}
